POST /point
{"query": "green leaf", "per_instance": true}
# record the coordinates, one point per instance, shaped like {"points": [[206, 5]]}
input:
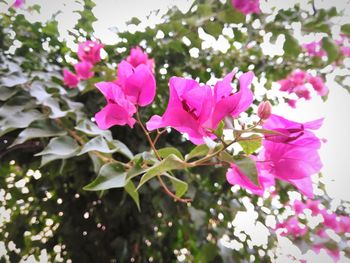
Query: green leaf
{"points": [[179, 185], [111, 175], [131, 190], [345, 29], [63, 145], [91, 129], [172, 162], [14, 79], [250, 144], [220, 129], [291, 46], [230, 15], [226, 157], [165, 152], [331, 48], [40, 129], [96, 144], [122, 148], [248, 167], [198, 151], [213, 28], [7, 93]]}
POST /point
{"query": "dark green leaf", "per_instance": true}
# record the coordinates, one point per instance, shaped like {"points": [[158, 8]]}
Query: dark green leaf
{"points": [[165, 152], [331, 48]]}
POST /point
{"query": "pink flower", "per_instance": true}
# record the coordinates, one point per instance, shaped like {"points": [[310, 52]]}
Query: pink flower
{"points": [[189, 109], [138, 84], [344, 224], [330, 220], [194, 109], [247, 6], [293, 227], [90, 51], [70, 79], [302, 92], [83, 70], [235, 176], [298, 206], [314, 206], [292, 103], [138, 57], [315, 49], [18, 3], [345, 51], [118, 111], [318, 85]]}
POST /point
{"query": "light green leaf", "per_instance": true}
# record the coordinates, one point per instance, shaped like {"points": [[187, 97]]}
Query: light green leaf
{"points": [[63, 145], [172, 162], [291, 46], [198, 151], [131, 190], [179, 185], [110, 176], [40, 129], [91, 129], [122, 148], [331, 48], [220, 129], [14, 79], [251, 143], [6, 93], [96, 144], [165, 152]]}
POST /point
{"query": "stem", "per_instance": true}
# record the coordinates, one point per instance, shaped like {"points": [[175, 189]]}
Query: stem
{"points": [[147, 136], [151, 143], [159, 133]]}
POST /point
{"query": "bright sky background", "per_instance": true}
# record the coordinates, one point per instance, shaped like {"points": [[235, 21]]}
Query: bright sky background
{"points": [[334, 153]]}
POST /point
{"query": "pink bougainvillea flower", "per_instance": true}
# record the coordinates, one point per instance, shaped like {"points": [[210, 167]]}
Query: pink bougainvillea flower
{"points": [[90, 51], [345, 51], [138, 84], [344, 224], [189, 109], [138, 57], [315, 49], [236, 176], [70, 79], [247, 6], [298, 206], [18, 3], [229, 103], [83, 70], [196, 110], [293, 227], [318, 85], [118, 111], [329, 219], [314, 206], [302, 92], [292, 103]]}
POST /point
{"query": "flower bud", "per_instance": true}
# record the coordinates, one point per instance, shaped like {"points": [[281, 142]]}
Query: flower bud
{"points": [[264, 110]]}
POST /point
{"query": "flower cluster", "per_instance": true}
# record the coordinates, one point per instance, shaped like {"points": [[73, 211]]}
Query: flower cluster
{"points": [[315, 49], [296, 83], [89, 55], [197, 109], [344, 45], [330, 221], [135, 86], [247, 6], [290, 154]]}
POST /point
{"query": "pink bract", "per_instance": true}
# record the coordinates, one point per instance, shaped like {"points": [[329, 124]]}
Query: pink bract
{"points": [[138, 57], [90, 51], [83, 70], [118, 111], [247, 6], [70, 79], [315, 49], [138, 84], [18, 3], [318, 85], [196, 110]]}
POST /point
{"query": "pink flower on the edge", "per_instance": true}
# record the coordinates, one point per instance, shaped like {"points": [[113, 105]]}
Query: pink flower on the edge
{"points": [[70, 79], [247, 6], [194, 109], [315, 49], [90, 51], [318, 85], [118, 111], [138, 83], [138, 57], [83, 70], [291, 156], [293, 227], [18, 3]]}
